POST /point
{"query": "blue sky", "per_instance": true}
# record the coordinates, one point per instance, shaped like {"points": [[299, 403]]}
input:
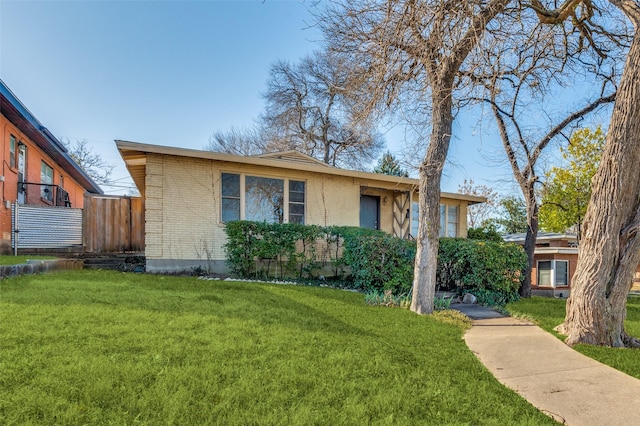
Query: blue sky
{"points": [[172, 73]]}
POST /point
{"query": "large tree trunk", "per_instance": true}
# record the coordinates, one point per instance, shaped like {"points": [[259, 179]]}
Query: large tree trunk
{"points": [[530, 246], [610, 246], [424, 279]]}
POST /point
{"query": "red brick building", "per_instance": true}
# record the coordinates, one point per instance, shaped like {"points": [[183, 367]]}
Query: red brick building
{"points": [[36, 167]]}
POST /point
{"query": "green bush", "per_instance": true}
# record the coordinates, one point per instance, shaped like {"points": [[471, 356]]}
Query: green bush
{"points": [[490, 270], [379, 261], [372, 260], [387, 298], [485, 233], [271, 250]]}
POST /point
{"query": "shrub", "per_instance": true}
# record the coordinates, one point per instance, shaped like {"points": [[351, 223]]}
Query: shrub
{"points": [[485, 233], [379, 261], [254, 247], [490, 270], [387, 298], [376, 261], [442, 303]]}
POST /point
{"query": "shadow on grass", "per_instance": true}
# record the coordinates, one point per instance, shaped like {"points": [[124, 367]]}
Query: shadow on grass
{"points": [[267, 304]]}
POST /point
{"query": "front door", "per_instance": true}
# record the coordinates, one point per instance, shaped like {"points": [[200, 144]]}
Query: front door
{"points": [[369, 212]]}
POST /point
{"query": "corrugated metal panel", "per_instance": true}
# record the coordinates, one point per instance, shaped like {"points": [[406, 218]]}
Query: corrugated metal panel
{"points": [[48, 227]]}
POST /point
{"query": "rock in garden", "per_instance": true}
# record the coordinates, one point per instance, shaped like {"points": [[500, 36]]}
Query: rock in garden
{"points": [[469, 299]]}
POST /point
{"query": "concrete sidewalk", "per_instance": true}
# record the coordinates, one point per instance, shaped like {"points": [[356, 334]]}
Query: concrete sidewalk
{"points": [[570, 387]]}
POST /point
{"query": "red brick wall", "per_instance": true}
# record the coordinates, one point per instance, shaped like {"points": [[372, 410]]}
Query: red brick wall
{"points": [[573, 262], [34, 158]]}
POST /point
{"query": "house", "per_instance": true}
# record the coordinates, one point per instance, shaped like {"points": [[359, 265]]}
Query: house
{"points": [[555, 260], [36, 167], [190, 194], [554, 263]]}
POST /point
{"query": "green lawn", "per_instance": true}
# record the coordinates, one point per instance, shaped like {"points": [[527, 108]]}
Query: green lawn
{"points": [[100, 347], [549, 313], [18, 260]]}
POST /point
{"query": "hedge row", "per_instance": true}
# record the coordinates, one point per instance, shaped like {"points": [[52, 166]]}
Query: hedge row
{"points": [[369, 259]]}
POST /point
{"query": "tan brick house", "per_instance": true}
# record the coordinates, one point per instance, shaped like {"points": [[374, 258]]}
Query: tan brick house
{"points": [[190, 194]]}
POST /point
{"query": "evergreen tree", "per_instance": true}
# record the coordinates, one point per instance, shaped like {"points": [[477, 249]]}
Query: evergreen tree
{"points": [[389, 165]]}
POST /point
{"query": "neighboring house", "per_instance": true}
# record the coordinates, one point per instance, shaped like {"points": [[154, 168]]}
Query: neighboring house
{"points": [[190, 194], [554, 262], [36, 168]]}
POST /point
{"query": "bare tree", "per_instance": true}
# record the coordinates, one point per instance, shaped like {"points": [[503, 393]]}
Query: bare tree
{"points": [[610, 246], [93, 164], [414, 49], [239, 141], [479, 214], [310, 109], [521, 81], [525, 149]]}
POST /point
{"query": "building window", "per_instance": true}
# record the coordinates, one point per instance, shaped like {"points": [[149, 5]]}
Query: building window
{"points": [[296, 202], [46, 177], [544, 273], [230, 197], [553, 273], [415, 218], [448, 220], [12, 152], [562, 273], [262, 198]]}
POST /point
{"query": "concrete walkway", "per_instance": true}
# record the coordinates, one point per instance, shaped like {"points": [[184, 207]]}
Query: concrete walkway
{"points": [[568, 386]]}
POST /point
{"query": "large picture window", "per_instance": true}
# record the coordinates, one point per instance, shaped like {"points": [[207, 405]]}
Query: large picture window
{"points": [[262, 199]]}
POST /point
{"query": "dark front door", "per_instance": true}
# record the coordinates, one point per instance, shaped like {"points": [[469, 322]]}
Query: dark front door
{"points": [[369, 212]]}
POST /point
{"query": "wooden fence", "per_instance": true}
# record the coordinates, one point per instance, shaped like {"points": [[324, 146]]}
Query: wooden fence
{"points": [[113, 224]]}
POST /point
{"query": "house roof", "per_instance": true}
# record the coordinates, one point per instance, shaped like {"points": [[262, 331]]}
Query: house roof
{"points": [[134, 155], [541, 238], [21, 117], [294, 156]]}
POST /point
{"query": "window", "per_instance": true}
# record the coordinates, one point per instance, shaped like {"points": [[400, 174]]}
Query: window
{"points": [[448, 220], [230, 197], [452, 221], [296, 202], [46, 177], [544, 273], [562, 273], [262, 199], [415, 215], [12, 152], [553, 273]]}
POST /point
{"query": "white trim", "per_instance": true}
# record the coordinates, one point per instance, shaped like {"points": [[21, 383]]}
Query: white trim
{"points": [[556, 250]]}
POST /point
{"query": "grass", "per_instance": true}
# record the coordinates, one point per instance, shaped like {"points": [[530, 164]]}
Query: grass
{"points": [[19, 260], [549, 313], [101, 347]]}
